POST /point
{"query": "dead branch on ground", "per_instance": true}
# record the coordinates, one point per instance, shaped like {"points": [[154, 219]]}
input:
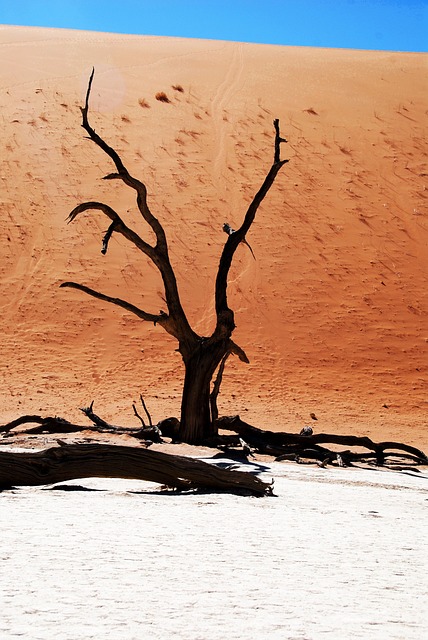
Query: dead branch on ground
{"points": [[72, 461], [291, 446], [57, 425]]}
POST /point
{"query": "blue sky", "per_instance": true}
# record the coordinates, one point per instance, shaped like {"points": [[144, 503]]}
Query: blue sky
{"points": [[396, 25]]}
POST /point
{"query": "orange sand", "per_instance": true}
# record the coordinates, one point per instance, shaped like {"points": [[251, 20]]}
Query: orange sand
{"points": [[332, 313]]}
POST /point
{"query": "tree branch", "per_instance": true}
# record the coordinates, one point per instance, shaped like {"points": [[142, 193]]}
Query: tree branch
{"points": [[89, 413], [149, 417], [162, 318], [107, 237], [216, 388], [158, 254], [225, 317], [22, 420], [123, 174], [117, 225], [137, 415], [278, 140], [72, 461], [285, 444], [238, 351]]}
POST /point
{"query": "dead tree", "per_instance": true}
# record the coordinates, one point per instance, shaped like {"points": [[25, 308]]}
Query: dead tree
{"points": [[201, 355]]}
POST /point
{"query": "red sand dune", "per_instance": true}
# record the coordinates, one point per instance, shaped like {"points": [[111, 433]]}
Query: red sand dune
{"points": [[333, 311]]}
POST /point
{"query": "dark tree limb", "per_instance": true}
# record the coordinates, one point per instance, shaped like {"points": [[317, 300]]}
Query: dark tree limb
{"points": [[228, 229], [89, 413], [151, 433], [69, 462], [177, 324], [55, 425], [123, 173], [59, 424], [225, 316], [216, 388], [107, 237], [119, 225], [137, 415], [146, 411], [278, 140], [282, 444], [237, 351], [161, 319]]}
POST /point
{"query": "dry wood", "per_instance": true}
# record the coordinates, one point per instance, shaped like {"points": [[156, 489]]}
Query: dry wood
{"points": [[216, 388], [56, 425], [175, 321], [225, 317], [71, 461], [286, 446]]}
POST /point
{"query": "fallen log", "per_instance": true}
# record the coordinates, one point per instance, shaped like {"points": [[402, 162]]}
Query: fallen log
{"points": [[282, 445], [73, 461]]}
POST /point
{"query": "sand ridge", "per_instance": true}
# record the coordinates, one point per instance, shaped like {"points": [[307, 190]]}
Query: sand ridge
{"points": [[332, 313]]}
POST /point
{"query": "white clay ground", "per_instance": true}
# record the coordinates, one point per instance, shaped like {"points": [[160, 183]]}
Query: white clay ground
{"points": [[337, 554]]}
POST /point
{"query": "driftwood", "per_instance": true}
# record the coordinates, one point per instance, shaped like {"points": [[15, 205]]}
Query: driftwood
{"points": [[146, 411], [72, 461], [291, 446]]}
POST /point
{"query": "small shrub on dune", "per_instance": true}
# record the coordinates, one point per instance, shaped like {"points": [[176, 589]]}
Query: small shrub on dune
{"points": [[162, 97]]}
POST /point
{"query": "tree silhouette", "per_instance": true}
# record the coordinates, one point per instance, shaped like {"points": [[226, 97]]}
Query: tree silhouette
{"points": [[201, 355]]}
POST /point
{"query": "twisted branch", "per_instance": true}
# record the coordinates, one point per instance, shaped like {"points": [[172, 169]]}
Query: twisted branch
{"points": [[117, 225], [176, 322], [123, 174]]}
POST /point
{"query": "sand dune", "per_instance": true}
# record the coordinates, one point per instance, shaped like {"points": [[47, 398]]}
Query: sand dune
{"points": [[332, 313]]}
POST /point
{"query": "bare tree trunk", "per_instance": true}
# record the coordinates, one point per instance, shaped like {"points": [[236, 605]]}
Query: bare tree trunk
{"points": [[196, 420]]}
